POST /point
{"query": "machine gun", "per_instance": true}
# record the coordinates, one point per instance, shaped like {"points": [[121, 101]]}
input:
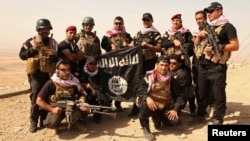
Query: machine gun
{"points": [[212, 39], [69, 106], [184, 47]]}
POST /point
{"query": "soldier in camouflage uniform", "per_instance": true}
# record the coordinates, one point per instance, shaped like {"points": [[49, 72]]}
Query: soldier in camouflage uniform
{"points": [[88, 41], [40, 53]]}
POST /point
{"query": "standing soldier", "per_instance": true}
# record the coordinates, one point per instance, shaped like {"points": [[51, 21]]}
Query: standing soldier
{"points": [[178, 40], [217, 40], [40, 53], [201, 18], [115, 39], [149, 38], [88, 41], [68, 50]]}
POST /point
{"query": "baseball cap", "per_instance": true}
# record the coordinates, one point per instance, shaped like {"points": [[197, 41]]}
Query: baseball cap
{"points": [[213, 6], [163, 58], [147, 16]]}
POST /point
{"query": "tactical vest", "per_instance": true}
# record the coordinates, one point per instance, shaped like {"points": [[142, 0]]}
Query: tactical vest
{"points": [[63, 93], [173, 49], [199, 51], [46, 59], [89, 45], [150, 38], [160, 93], [118, 40]]}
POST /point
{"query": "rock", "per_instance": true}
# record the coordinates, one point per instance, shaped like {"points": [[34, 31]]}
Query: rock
{"points": [[183, 136], [17, 129]]}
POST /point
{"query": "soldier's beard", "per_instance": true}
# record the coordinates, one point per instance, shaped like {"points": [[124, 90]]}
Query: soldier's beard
{"points": [[44, 35]]}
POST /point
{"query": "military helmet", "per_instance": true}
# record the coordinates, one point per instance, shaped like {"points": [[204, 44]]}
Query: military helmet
{"points": [[88, 20], [43, 23]]}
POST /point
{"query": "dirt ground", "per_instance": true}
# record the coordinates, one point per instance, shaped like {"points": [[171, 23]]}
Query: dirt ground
{"points": [[14, 111]]}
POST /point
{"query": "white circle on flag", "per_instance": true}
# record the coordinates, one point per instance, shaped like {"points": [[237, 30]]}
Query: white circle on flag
{"points": [[118, 85]]}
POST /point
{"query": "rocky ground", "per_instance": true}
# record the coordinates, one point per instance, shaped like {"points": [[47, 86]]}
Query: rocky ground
{"points": [[14, 111]]}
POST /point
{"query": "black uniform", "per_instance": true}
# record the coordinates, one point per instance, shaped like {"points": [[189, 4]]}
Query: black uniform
{"points": [[65, 45], [37, 80], [95, 96], [212, 76]]}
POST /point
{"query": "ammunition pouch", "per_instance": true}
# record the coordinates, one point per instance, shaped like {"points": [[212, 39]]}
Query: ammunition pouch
{"points": [[198, 51], [216, 59], [63, 93], [148, 54], [118, 40], [160, 102], [47, 64], [32, 65], [48, 59], [172, 50]]}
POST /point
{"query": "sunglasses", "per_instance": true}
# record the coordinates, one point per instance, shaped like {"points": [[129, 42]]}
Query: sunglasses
{"points": [[146, 20], [90, 25], [173, 63], [118, 23]]}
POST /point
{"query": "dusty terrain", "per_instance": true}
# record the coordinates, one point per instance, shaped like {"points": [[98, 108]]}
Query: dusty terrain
{"points": [[14, 111]]}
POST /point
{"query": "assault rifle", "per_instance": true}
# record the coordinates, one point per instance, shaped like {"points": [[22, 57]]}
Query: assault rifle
{"points": [[69, 106], [184, 47], [212, 39]]}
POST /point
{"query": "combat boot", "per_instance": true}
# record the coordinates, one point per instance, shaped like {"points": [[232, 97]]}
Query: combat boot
{"points": [[147, 134], [33, 127]]}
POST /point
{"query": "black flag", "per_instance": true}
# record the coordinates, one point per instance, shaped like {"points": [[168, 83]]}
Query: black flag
{"points": [[121, 73]]}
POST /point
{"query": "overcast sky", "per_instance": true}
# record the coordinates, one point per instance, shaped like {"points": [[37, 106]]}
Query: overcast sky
{"points": [[18, 17]]}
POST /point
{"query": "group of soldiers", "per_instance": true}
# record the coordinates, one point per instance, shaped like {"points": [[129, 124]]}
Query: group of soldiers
{"points": [[171, 79]]}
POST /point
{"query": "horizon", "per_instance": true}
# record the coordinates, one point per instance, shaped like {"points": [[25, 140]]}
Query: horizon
{"points": [[23, 15]]}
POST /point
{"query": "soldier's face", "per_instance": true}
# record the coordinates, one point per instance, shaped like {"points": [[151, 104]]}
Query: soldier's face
{"points": [[200, 19], [214, 14], [162, 67], [118, 25], [88, 27], [174, 65], [91, 67], [147, 23], [70, 35], [64, 71], [177, 23], [44, 32]]}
